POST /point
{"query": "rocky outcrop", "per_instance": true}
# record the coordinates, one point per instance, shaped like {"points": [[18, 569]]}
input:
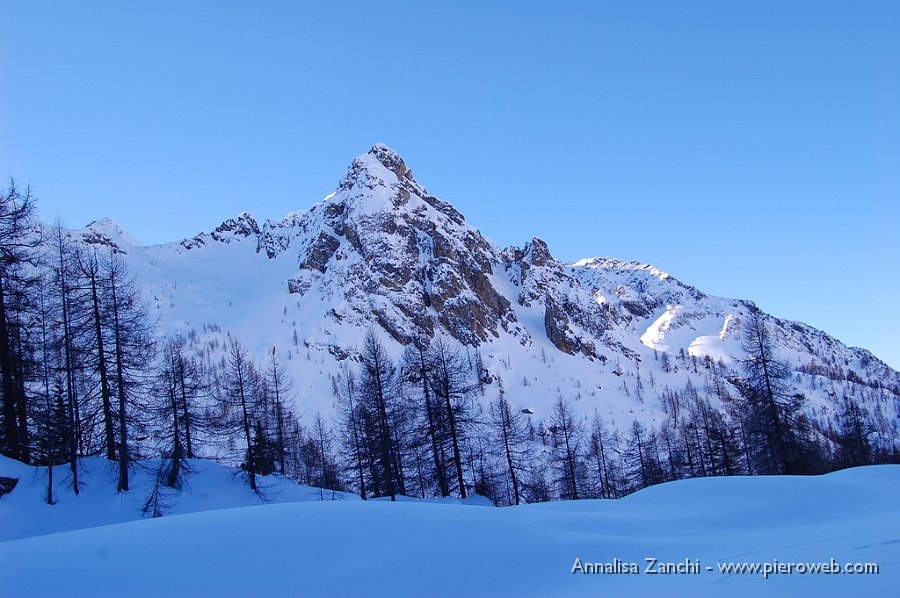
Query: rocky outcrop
{"points": [[559, 332], [319, 252], [242, 226], [631, 289], [537, 272], [234, 229], [401, 256], [107, 234], [275, 238], [96, 238], [573, 321], [194, 242]]}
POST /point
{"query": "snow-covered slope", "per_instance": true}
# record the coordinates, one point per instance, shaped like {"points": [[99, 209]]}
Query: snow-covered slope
{"points": [[382, 253], [208, 486], [371, 548]]}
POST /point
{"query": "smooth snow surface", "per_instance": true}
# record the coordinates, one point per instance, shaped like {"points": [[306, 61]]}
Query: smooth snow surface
{"points": [[375, 548], [209, 486]]}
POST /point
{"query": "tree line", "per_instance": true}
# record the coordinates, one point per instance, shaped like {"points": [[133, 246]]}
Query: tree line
{"points": [[84, 372], [416, 428], [74, 341]]}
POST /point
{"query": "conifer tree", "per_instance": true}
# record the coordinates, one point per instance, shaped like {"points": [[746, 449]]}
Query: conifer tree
{"points": [[19, 241], [509, 435]]}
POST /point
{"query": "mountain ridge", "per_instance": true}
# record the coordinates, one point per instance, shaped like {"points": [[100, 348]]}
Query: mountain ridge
{"points": [[381, 252]]}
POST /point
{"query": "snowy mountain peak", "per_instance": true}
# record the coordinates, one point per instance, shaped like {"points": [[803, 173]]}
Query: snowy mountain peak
{"points": [[390, 160], [382, 254], [233, 229], [380, 166], [383, 249], [537, 253], [109, 233], [639, 288], [242, 226], [609, 263], [381, 174]]}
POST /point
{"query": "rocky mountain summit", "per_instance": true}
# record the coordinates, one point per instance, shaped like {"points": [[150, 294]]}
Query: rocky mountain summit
{"points": [[388, 250]]}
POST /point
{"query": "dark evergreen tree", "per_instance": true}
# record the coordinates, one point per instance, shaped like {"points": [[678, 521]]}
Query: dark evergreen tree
{"points": [[264, 454], [379, 392], [451, 385], [603, 468], [642, 457], [355, 444], [132, 350], [53, 434], [279, 386], [431, 429], [323, 439], [781, 443], [509, 436], [179, 389], [536, 487], [19, 240], [97, 346], [65, 345], [242, 403], [567, 456], [854, 435]]}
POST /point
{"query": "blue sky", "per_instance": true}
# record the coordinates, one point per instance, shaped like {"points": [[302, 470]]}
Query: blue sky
{"points": [[751, 149]]}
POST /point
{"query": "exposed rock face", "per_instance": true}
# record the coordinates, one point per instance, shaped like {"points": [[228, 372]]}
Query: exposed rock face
{"points": [[194, 242], [536, 271], [320, 252], [107, 234], [276, 237], [385, 251], [233, 229], [573, 322], [632, 289], [101, 239], [243, 226], [559, 332], [386, 247]]}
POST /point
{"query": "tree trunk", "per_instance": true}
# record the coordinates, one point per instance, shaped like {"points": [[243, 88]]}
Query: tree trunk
{"points": [[439, 470], [187, 421], [251, 466], [570, 463], [457, 457], [21, 403], [357, 442], [105, 393], [120, 387], [11, 398], [504, 416], [71, 400]]}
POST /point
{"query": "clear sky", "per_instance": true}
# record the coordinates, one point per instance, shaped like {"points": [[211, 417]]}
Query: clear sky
{"points": [[751, 149]]}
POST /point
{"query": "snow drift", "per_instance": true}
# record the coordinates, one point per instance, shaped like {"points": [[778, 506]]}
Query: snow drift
{"points": [[352, 548]]}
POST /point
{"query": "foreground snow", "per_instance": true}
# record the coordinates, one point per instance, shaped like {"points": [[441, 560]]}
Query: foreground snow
{"points": [[209, 486], [380, 548]]}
